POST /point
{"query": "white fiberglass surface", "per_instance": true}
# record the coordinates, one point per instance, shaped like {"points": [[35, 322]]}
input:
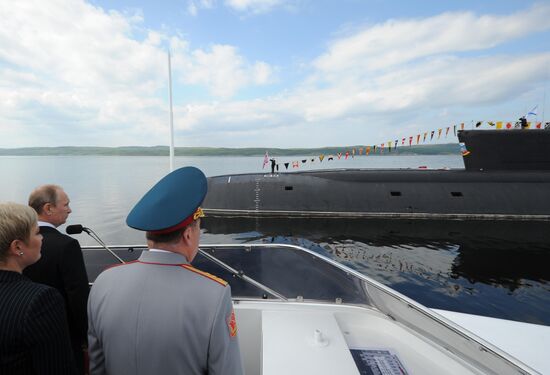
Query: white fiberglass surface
{"points": [[527, 342], [280, 338]]}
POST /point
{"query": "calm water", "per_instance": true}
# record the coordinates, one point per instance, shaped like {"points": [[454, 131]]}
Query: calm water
{"points": [[496, 269]]}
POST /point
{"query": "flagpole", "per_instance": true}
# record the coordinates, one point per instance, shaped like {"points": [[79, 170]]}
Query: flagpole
{"points": [[545, 88], [171, 115], [543, 103]]}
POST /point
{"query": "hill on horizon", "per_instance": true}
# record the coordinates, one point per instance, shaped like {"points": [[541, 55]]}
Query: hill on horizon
{"points": [[437, 149]]}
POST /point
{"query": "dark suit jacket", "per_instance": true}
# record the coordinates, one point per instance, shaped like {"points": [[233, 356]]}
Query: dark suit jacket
{"points": [[62, 267], [34, 337]]}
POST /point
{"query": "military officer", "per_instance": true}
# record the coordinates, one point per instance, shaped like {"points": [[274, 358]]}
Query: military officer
{"points": [[159, 315]]}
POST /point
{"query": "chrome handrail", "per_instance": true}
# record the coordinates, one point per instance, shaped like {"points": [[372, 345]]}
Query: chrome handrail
{"points": [[240, 274]]}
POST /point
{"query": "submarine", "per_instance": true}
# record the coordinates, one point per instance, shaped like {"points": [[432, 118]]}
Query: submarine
{"points": [[506, 177]]}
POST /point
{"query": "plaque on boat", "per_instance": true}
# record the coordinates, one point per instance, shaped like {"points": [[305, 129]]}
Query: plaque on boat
{"points": [[378, 362]]}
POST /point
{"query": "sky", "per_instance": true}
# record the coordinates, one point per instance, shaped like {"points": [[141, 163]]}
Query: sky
{"points": [[266, 73]]}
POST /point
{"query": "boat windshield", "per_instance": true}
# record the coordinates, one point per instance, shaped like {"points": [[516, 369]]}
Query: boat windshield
{"points": [[290, 272]]}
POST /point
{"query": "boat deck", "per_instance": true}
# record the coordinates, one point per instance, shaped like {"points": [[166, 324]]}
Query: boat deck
{"points": [[279, 338], [301, 313]]}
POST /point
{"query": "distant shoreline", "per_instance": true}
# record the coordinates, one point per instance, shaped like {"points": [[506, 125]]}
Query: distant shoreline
{"points": [[438, 149]]}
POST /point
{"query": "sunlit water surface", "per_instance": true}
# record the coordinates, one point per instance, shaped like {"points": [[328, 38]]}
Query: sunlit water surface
{"points": [[496, 269]]}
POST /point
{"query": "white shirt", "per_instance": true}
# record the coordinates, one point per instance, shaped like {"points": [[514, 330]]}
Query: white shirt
{"points": [[45, 224]]}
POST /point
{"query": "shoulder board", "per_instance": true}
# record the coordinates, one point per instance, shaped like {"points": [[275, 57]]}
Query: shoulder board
{"points": [[205, 274]]}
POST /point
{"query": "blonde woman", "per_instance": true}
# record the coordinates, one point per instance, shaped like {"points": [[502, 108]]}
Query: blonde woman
{"points": [[34, 336]]}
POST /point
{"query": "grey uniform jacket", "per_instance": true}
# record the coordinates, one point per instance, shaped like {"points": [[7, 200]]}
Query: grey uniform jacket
{"points": [[159, 315]]}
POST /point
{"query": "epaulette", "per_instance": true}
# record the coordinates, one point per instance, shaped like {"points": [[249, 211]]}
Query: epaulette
{"points": [[205, 274]]}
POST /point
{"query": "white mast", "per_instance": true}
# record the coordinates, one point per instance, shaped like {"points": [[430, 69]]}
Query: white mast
{"points": [[544, 96], [543, 103], [171, 116]]}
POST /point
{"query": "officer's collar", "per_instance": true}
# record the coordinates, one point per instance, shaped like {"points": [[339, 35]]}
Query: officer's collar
{"points": [[163, 257], [160, 250]]}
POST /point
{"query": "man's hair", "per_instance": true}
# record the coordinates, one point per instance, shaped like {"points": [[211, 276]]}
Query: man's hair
{"points": [[16, 223], [168, 238], [42, 195]]}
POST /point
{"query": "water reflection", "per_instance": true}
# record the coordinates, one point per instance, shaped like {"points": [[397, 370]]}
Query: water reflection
{"points": [[497, 269]]}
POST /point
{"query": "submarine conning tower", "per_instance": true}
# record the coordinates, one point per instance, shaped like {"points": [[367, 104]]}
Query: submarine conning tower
{"points": [[511, 149]]}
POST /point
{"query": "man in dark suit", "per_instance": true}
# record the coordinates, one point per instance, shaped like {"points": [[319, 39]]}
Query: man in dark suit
{"points": [[62, 263]]}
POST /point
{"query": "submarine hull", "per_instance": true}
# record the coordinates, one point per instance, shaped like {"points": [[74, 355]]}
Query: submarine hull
{"points": [[516, 195], [507, 176]]}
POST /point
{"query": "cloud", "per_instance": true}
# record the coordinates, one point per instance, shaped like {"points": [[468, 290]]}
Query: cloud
{"points": [[221, 69], [72, 73], [68, 65], [193, 6], [73, 65], [407, 64], [397, 42], [439, 84], [393, 75], [254, 6]]}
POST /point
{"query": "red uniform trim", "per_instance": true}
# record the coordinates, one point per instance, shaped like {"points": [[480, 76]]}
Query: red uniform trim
{"points": [[160, 264], [183, 224], [194, 216]]}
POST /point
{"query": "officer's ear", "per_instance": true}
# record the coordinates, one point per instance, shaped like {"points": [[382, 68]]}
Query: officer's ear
{"points": [[187, 232]]}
